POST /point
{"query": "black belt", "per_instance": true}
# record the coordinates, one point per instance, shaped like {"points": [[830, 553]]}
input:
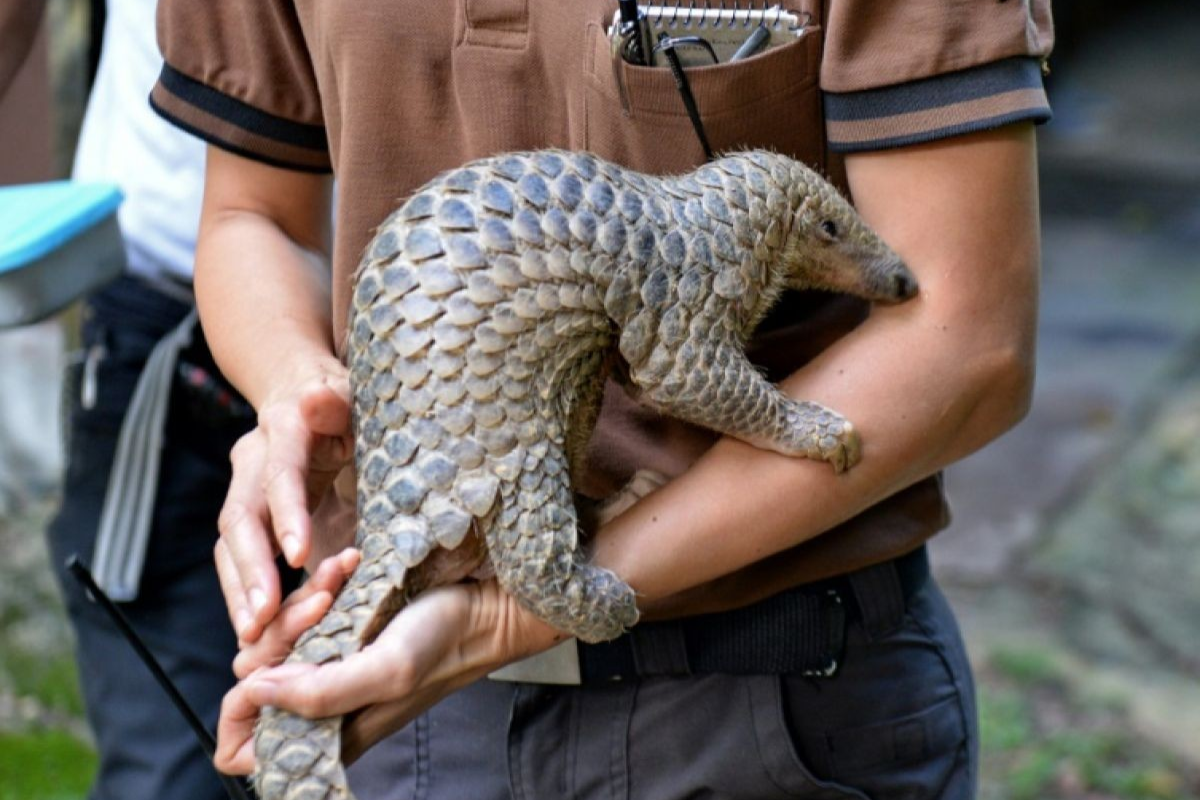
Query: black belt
{"points": [[798, 631]]}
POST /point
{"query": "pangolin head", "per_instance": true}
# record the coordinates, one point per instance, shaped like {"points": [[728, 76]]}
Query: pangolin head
{"points": [[830, 247]]}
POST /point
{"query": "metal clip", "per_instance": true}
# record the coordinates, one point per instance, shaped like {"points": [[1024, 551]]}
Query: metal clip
{"points": [[830, 668], [88, 384]]}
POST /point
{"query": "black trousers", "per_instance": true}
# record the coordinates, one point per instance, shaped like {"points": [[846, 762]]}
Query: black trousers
{"points": [[898, 720], [145, 748]]}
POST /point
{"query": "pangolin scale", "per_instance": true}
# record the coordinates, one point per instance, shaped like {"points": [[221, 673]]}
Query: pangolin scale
{"points": [[486, 313]]}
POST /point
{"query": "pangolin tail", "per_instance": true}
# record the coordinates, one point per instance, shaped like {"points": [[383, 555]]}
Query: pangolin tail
{"points": [[299, 758]]}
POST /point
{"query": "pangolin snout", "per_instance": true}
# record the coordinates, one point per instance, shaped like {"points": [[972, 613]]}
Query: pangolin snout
{"points": [[887, 279], [903, 285]]}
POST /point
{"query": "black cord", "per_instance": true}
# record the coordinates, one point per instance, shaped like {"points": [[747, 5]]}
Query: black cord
{"points": [[234, 787], [685, 92]]}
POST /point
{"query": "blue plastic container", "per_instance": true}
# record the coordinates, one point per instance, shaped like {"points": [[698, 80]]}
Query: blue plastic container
{"points": [[58, 241]]}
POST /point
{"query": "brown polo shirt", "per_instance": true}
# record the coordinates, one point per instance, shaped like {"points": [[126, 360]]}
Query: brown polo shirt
{"points": [[386, 94]]}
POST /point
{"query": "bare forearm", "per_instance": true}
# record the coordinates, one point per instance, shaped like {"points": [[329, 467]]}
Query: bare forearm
{"points": [[262, 279], [264, 301], [925, 383]]}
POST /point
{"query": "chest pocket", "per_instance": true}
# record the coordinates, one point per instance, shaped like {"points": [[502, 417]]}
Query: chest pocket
{"points": [[770, 100], [496, 23]]}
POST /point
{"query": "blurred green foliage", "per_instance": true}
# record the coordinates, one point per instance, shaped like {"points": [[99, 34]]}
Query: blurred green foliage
{"points": [[1043, 739], [49, 680], [44, 765]]}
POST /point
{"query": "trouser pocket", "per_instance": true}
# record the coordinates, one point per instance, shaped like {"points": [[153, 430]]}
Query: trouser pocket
{"points": [[719, 736], [899, 720]]}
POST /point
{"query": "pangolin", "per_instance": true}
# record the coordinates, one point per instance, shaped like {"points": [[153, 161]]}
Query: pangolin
{"points": [[487, 311]]}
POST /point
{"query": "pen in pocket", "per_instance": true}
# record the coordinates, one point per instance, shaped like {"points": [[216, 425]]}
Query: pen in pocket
{"points": [[632, 34], [754, 42]]}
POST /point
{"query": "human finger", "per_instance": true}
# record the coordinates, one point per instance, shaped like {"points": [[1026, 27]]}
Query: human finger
{"points": [[300, 611], [250, 580], [332, 573], [325, 407], [328, 690], [309, 443], [281, 633], [231, 588], [643, 482], [234, 754], [325, 411], [284, 476]]}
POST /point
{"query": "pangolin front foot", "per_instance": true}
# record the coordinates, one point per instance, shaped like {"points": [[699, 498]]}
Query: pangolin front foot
{"points": [[819, 433]]}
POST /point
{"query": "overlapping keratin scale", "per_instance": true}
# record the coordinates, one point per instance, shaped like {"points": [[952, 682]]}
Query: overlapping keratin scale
{"points": [[483, 314]]}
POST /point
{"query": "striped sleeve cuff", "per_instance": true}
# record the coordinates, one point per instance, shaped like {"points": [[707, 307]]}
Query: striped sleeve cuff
{"points": [[238, 127], [971, 100]]}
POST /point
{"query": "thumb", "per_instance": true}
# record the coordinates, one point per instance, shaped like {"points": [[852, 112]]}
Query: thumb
{"points": [[314, 692], [325, 407]]}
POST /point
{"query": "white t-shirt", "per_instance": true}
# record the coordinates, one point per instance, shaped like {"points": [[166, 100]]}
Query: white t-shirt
{"points": [[158, 167]]}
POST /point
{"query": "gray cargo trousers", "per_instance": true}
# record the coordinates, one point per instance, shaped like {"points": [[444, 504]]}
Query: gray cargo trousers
{"points": [[897, 720]]}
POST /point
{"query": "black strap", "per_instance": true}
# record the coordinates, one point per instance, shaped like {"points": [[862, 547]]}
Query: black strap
{"points": [[799, 631], [792, 632], [685, 92], [880, 598], [661, 652]]}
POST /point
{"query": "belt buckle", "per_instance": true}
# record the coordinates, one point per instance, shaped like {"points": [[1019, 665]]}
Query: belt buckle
{"points": [[829, 669], [559, 666]]}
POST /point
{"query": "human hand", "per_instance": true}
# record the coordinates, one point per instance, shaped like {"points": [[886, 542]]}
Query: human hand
{"points": [[643, 482], [302, 609], [281, 470], [444, 640]]}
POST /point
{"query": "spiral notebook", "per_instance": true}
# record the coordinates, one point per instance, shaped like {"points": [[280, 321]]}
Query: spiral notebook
{"points": [[724, 30]]}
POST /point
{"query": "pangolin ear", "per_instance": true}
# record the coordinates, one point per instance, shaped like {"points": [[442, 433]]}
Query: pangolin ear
{"points": [[804, 212]]}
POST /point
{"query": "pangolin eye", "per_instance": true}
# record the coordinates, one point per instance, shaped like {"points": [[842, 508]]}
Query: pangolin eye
{"points": [[830, 228]]}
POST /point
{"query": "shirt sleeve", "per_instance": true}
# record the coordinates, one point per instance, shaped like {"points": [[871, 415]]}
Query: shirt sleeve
{"points": [[239, 75], [898, 72]]}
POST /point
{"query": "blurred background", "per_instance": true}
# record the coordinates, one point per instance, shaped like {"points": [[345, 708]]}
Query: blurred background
{"points": [[1074, 557]]}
